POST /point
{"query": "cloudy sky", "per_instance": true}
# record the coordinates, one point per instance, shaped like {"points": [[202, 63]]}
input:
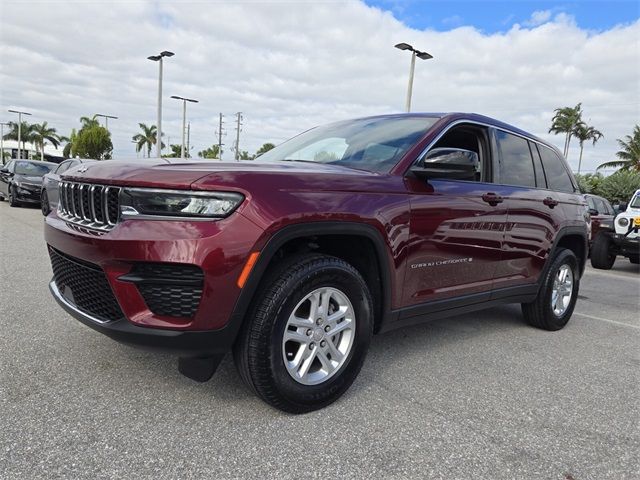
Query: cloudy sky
{"points": [[290, 65]]}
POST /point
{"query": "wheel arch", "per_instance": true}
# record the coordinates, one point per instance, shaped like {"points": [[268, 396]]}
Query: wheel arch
{"points": [[574, 238], [321, 233]]}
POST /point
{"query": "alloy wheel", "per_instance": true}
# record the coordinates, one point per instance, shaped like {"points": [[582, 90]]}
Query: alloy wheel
{"points": [[318, 336], [562, 290]]}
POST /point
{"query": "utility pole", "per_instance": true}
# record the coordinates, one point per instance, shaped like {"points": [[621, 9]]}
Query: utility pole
{"points": [[2, 124], [238, 125], [184, 117], [220, 137], [188, 138]]}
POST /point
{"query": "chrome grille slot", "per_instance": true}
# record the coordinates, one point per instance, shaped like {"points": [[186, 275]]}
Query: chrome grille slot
{"points": [[89, 205]]}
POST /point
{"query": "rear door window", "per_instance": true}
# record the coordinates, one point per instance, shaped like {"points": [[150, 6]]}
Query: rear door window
{"points": [[516, 163], [555, 171]]}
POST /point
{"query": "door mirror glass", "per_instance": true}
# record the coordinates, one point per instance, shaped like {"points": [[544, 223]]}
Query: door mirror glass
{"points": [[453, 163]]}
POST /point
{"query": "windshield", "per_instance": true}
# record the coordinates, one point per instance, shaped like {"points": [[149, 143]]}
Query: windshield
{"points": [[635, 202], [32, 169], [373, 144]]}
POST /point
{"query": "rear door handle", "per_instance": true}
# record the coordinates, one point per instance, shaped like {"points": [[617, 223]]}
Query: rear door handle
{"points": [[492, 198], [550, 202]]}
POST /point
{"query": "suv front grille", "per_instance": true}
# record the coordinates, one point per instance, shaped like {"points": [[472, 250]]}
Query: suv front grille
{"points": [[89, 288], [89, 205]]}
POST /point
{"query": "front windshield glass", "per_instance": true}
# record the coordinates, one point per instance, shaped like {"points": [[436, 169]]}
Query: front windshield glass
{"points": [[373, 144], [32, 169], [635, 202]]}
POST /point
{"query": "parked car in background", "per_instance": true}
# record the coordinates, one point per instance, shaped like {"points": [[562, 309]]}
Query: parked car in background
{"points": [[621, 238], [293, 261], [601, 214], [21, 181], [49, 192]]}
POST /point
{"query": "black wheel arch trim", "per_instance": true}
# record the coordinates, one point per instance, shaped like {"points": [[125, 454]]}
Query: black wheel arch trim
{"points": [[301, 230], [564, 232]]}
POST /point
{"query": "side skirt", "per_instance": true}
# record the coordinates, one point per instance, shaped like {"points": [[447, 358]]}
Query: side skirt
{"points": [[450, 307]]}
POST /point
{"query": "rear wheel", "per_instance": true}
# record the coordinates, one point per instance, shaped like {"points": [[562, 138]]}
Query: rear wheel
{"points": [[307, 334], [44, 203], [602, 256], [553, 307]]}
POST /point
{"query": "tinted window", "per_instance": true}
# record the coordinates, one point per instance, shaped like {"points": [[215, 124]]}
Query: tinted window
{"points": [[374, 144], [63, 167], [516, 166], [32, 169], [602, 206], [541, 181], [557, 175], [592, 203]]}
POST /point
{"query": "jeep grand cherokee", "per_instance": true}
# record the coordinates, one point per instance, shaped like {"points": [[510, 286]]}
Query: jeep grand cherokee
{"points": [[295, 260]]}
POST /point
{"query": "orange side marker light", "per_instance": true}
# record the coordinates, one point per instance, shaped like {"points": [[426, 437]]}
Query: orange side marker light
{"points": [[251, 261]]}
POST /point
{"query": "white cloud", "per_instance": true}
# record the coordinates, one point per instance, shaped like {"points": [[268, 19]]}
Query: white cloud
{"points": [[289, 66], [538, 18]]}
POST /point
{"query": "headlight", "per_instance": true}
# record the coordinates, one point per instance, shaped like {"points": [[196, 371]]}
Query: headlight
{"points": [[623, 221], [177, 203]]}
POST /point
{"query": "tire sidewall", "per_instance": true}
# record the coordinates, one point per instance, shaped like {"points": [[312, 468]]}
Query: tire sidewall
{"points": [[355, 289], [44, 201], [564, 257]]}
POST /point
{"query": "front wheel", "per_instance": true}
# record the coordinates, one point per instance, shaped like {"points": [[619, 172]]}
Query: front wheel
{"points": [[307, 334], [557, 297], [13, 200], [44, 203]]}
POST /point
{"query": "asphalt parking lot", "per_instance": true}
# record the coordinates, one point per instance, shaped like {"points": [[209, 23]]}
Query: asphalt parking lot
{"points": [[477, 396]]}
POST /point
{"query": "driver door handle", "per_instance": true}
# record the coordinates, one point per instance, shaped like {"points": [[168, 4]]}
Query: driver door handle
{"points": [[492, 198]]}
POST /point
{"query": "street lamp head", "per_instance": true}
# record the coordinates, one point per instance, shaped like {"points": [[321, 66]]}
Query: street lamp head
{"points": [[16, 111], [177, 97], [155, 58], [166, 53], [423, 55], [404, 46]]}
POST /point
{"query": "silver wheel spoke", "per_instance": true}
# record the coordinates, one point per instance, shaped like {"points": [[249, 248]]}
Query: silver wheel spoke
{"points": [[562, 290], [318, 336]]}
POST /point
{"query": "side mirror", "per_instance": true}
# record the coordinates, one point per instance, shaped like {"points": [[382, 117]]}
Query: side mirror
{"points": [[453, 163], [593, 211]]}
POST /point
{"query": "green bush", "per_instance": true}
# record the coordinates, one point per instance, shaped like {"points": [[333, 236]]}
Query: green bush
{"points": [[619, 186]]}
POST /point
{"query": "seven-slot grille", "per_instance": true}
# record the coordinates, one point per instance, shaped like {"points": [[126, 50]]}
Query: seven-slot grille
{"points": [[89, 205]]}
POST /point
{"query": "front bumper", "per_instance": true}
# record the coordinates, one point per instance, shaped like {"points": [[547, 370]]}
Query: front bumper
{"points": [[627, 245], [219, 248], [27, 195], [185, 343]]}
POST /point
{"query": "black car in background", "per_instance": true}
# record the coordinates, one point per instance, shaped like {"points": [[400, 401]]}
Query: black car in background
{"points": [[49, 192], [21, 181]]}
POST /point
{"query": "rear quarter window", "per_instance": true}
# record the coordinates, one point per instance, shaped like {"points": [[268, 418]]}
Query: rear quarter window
{"points": [[557, 175]]}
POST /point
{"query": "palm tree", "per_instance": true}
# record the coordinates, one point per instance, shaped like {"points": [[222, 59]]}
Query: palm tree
{"points": [[629, 154], [43, 133], [89, 122], [584, 133], [146, 139], [66, 151], [26, 133], [566, 120]]}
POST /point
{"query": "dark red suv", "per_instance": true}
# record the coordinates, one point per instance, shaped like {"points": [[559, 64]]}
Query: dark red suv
{"points": [[294, 260]]}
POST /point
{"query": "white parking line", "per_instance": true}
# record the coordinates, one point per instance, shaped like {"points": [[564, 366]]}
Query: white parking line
{"points": [[608, 320], [620, 275]]}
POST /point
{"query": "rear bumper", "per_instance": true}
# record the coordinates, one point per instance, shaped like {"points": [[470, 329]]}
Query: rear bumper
{"points": [[183, 343]]}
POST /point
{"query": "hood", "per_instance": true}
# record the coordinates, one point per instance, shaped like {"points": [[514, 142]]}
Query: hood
{"points": [[34, 180], [176, 173]]}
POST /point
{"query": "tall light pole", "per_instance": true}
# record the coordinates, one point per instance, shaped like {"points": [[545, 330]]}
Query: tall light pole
{"points": [[414, 53], [184, 117], [106, 119], [19, 129], [158, 58], [2, 124]]}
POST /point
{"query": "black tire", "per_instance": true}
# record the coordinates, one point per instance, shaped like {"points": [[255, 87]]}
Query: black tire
{"points": [[44, 203], [258, 352], [540, 313], [13, 201], [601, 255], [634, 260]]}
